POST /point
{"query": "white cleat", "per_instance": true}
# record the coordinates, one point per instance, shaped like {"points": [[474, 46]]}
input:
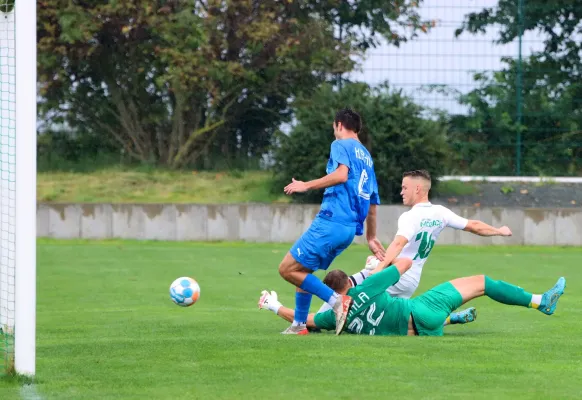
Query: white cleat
{"points": [[341, 309], [296, 330]]}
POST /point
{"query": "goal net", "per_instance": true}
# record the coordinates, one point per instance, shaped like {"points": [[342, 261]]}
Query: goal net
{"points": [[17, 186]]}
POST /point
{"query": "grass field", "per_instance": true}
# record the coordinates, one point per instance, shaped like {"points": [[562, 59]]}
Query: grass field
{"points": [[108, 330], [115, 185], [119, 185]]}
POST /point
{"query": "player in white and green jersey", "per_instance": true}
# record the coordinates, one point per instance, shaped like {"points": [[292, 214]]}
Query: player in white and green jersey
{"points": [[420, 227], [418, 231], [375, 312]]}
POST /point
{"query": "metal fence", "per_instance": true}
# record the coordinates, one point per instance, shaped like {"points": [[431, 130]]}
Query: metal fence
{"points": [[512, 110]]}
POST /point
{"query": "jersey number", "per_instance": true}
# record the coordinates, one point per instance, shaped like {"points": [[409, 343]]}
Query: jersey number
{"points": [[426, 245], [361, 186], [357, 324]]}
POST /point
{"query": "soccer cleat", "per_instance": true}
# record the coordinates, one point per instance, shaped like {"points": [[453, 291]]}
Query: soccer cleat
{"points": [[464, 317], [551, 297], [341, 309], [296, 330]]}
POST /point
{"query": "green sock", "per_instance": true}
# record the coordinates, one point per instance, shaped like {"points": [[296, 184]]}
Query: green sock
{"points": [[507, 293]]}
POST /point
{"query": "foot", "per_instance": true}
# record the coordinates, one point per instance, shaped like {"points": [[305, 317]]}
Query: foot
{"points": [[465, 316], [267, 298], [269, 301], [551, 297], [341, 309], [296, 330]]}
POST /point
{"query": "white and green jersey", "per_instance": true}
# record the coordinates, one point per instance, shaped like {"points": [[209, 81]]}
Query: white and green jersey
{"points": [[421, 226]]}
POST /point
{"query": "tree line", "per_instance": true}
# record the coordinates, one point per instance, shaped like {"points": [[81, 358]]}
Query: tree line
{"points": [[208, 85]]}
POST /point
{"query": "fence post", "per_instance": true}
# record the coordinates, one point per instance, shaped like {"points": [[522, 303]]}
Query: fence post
{"points": [[519, 88]]}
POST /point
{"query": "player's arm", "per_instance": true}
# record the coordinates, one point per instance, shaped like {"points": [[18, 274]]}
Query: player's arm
{"points": [[378, 282], [482, 229], [406, 230], [393, 251], [340, 175], [339, 157], [474, 226], [373, 242], [401, 264]]}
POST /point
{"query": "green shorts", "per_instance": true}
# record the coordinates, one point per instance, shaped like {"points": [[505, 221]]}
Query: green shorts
{"points": [[431, 309]]}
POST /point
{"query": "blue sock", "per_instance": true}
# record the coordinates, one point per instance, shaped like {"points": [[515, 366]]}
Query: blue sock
{"points": [[302, 303], [313, 285]]}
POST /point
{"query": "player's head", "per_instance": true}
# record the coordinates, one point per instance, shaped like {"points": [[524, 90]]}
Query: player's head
{"points": [[338, 280], [347, 123], [415, 187]]}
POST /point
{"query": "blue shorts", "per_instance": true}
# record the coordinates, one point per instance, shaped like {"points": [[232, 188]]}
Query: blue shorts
{"points": [[321, 243]]}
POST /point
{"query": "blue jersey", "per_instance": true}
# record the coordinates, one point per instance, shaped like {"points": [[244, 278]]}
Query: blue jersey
{"points": [[348, 203]]}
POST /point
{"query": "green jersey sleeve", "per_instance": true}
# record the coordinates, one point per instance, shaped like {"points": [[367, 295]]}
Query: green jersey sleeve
{"points": [[378, 283], [325, 320]]}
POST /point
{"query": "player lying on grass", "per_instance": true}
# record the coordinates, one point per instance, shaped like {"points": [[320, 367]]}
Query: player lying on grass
{"points": [[418, 231], [375, 312], [372, 266]]}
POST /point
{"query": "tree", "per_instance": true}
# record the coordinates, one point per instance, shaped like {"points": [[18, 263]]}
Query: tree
{"points": [[484, 140], [552, 92], [559, 22], [395, 131], [177, 82]]}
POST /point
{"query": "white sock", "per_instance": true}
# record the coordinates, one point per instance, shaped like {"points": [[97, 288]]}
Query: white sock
{"points": [[295, 323], [359, 277], [275, 308], [536, 299], [334, 298]]}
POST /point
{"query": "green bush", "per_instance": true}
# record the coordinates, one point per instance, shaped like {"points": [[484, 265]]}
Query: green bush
{"points": [[396, 131]]}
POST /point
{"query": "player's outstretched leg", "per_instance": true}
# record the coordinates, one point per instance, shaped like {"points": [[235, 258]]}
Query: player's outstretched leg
{"points": [[506, 293], [308, 284]]}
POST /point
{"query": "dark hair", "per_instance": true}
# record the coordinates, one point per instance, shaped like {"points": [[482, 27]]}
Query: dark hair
{"points": [[350, 119], [418, 173], [336, 279]]}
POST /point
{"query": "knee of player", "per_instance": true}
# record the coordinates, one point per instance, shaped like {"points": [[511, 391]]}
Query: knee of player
{"points": [[479, 282], [284, 269]]}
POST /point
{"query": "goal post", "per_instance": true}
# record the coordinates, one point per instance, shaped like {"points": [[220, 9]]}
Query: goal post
{"points": [[18, 185]]}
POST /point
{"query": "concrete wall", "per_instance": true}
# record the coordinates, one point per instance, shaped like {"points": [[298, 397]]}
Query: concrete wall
{"points": [[282, 223]]}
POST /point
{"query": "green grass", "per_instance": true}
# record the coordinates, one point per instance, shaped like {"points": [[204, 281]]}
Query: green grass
{"points": [[108, 330], [156, 186], [455, 188]]}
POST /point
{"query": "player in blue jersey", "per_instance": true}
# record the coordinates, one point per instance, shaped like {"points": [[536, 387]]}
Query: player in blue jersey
{"points": [[350, 197]]}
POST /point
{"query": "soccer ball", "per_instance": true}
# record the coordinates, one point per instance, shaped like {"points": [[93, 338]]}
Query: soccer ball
{"points": [[184, 291]]}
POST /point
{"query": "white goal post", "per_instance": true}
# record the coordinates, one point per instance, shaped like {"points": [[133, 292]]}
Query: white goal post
{"points": [[18, 184]]}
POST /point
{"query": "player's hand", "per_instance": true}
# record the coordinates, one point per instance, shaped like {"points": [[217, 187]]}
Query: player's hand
{"points": [[376, 248], [296, 187], [269, 301], [505, 231]]}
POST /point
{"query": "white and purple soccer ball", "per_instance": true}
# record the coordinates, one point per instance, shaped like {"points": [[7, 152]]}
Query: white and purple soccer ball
{"points": [[184, 291]]}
